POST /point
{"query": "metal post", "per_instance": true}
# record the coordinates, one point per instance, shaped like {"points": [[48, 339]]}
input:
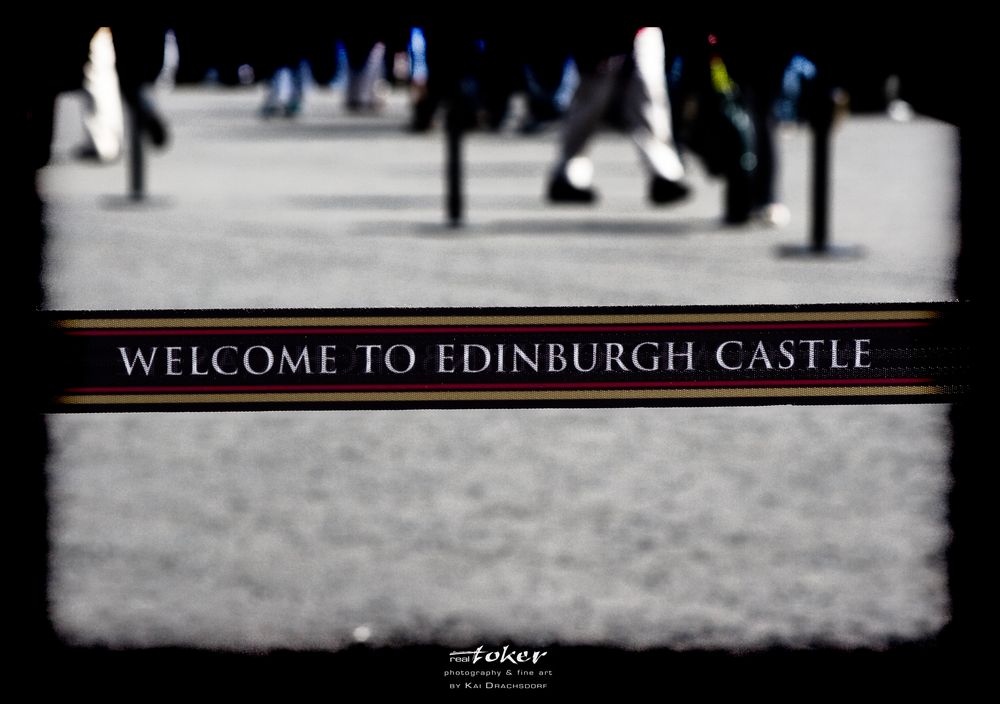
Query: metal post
{"points": [[821, 120], [455, 204], [821, 183], [137, 165]]}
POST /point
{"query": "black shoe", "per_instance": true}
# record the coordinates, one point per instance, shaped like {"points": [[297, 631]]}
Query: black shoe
{"points": [[736, 217], [153, 124], [269, 110], [562, 191], [663, 191], [157, 131]]}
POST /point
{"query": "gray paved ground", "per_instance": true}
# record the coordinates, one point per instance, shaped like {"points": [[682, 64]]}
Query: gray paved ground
{"points": [[720, 527]]}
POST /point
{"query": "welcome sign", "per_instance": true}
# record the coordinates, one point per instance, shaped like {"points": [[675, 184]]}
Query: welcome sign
{"points": [[464, 358]]}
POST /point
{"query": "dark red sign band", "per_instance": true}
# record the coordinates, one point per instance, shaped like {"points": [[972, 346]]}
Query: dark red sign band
{"points": [[469, 358]]}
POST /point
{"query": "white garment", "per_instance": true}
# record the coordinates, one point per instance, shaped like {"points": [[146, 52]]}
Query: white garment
{"points": [[103, 116], [646, 112]]}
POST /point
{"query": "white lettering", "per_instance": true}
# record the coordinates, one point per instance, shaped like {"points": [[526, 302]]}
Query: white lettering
{"points": [[654, 359], [267, 353], [215, 360], [859, 350], [760, 354], [409, 352], [194, 363], [140, 358], [833, 356], [286, 358], [522, 355], [576, 357], [616, 357], [787, 353], [368, 355], [446, 356], [812, 350], [467, 359], [173, 362], [325, 358], [556, 354], [689, 355], [718, 354]]}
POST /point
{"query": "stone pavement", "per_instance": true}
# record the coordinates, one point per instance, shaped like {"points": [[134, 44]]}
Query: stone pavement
{"points": [[719, 527]]}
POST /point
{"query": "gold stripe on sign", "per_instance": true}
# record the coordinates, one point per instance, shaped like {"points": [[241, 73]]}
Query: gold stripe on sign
{"points": [[541, 395], [431, 320]]}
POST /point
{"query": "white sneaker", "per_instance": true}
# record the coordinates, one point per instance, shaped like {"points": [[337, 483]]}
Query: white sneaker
{"points": [[772, 215]]}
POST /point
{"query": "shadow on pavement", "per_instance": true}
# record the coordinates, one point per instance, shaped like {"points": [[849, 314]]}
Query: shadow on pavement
{"points": [[287, 130], [621, 227]]}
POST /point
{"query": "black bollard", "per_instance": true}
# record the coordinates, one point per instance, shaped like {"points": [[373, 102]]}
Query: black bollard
{"points": [[141, 124], [821, 184], [821, 121], [455, 204], [137, 164]]}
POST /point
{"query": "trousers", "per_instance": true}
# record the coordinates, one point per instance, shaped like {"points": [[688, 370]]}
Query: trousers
{"points": [[640, 80]]}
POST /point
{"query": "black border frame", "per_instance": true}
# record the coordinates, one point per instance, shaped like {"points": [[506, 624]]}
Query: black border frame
{"points": [[579, 669]]}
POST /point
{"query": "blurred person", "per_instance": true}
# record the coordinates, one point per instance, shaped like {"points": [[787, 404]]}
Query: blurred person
{"points": [[296, 48], [529, 61], [285, 47], [103, 121], [275, 102], [475, 61], [756, 63], [365, 66], [116, 67], [139, 48], [447, 53], [730, 85], [619, 63], [277, 53], [545, 67]]}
